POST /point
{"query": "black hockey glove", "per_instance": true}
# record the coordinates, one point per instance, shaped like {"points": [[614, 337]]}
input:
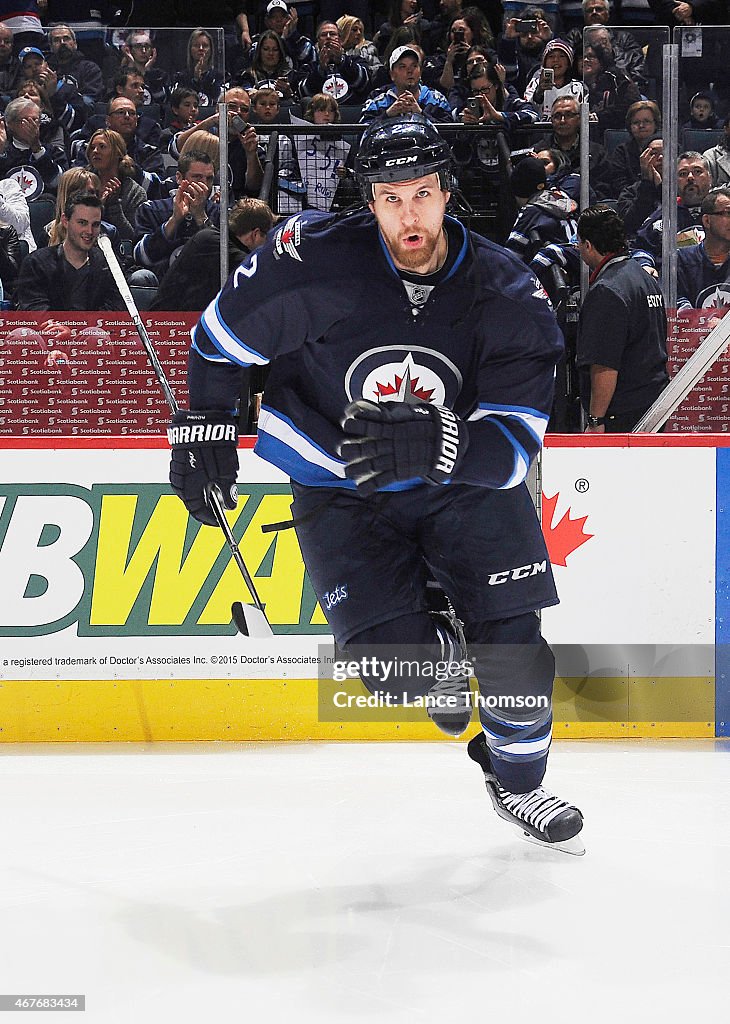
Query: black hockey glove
{"points": [[399, 441], [203, 451]]}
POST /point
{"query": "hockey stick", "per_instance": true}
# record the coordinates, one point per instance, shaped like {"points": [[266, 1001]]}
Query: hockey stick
{"points": [[691, 373], [250, 620]]}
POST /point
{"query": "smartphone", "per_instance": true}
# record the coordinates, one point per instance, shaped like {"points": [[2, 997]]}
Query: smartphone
{"points": [[474, 106], [526, 26], [548, 78], [238, 124], [459, 35]]}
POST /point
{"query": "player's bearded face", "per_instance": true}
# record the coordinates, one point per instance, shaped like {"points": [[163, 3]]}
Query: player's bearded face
{"points": [[410, 215]]}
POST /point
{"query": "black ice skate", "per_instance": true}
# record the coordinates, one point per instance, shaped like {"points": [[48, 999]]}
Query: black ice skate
{"points": [[450, 706], [542, 818]]}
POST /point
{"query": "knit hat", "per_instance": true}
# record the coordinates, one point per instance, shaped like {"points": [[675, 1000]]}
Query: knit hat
{"points": [[527, 177], [561, 46]]}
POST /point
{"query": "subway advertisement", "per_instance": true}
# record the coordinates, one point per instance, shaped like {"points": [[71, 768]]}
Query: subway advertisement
{"points": [[115, 604]]}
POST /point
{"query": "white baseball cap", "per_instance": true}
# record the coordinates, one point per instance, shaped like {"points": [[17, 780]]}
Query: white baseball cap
{"points": [[399, 51], [277, 4]]}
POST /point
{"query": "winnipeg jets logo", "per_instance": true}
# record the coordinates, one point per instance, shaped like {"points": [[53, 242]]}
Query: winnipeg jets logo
{"points": [[714, 296], [411, 375], [192, 460], [287, 239], [333, 597]]}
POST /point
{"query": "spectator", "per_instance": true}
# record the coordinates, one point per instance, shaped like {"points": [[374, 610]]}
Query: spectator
{"points": [[64, 103], [283, 20], [9, 65], [165, 225], [140, 54], [75, 179], [636, 202], [702, 115], [461, 89], [521, 53], [139, 135], [52, 131], [73, 275], [622, 371], [610, 90], [204, 142], [333, 72], [438, 30], [401, 12], [627, 50], [406, 95], [546, 215], [201, 73], [14, 211], [71, 66], [643, 122], [693, 184], [266, 108], [21, 147], [468, 29], [194, 278], [22, 17], [354, 43], [521, 9], [184, 105], [703, 271], [121, 195], [497, 106], [542, 89], [10, 259], [270, 67], [565, 119], [718, 157]]}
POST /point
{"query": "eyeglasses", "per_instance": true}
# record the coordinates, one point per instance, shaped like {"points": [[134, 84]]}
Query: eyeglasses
{"points": [[140, 46], [719, 213], [564, 117], [123, 113], [642, 124]]}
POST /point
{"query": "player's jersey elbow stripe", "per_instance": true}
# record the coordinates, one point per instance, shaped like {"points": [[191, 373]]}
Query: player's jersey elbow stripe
{"points": [[210, 357], [534, 421], [521, 462], [225, 341], [283, 430]]}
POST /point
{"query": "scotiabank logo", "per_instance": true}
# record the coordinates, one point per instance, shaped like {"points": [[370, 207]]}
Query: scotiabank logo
{"points": [[565, 536]]}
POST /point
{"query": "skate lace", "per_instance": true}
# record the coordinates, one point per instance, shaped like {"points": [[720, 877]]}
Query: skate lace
{"points": [[454, 686], [537, 808]]}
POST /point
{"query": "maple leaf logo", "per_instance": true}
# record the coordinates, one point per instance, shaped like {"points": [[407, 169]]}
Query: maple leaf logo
{"points": [[564, 538], [406, 387], [287, 236]]}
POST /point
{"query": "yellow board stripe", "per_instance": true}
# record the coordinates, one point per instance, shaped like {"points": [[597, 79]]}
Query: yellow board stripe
{"points": [[190, 710]]}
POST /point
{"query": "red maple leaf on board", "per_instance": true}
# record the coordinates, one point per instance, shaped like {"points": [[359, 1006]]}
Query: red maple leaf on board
{"points": [[564, 538]]}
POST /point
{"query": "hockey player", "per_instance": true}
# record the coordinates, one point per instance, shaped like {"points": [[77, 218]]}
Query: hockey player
{"points": [[435, 350]]}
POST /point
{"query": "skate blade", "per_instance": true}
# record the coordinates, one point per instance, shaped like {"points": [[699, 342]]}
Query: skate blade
{"points": [[573, 846]]}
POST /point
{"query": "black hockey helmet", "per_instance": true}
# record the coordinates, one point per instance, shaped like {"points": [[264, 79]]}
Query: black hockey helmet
{"points": [[399, 149]]}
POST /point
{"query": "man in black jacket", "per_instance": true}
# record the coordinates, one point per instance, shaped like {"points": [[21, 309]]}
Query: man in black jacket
{"points": [[73, 275], [622, 331], [194, 278]]}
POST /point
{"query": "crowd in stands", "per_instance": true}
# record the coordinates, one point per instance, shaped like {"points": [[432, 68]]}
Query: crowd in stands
{"points": [[126, 116]]}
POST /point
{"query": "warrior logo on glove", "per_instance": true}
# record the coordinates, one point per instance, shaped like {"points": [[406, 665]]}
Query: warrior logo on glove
{"points": [[399, 442], [204, 451]]}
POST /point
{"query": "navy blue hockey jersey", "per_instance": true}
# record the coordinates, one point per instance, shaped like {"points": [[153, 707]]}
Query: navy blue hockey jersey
{"points": [[324, 303], [700, 283]]}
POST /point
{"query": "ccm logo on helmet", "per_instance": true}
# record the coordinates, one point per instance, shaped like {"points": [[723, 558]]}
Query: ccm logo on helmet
{"points": [[397, 161], [520, 573]]}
